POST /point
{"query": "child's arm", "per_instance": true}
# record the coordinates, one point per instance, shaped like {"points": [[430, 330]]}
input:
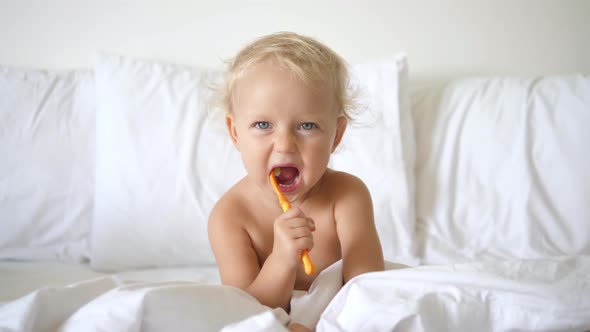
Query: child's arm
{"points": [[361, 249], [273, 283]]}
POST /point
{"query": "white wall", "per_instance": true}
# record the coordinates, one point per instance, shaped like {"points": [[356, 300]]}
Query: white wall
{"points": [[442, 38]]}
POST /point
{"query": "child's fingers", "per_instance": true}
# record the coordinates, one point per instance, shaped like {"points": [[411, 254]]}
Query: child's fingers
{"points": [[295, 227], [307, 223], [297, 218], [300, 232], [304, 243], [311, 224], [293, 212], [289, 226]]}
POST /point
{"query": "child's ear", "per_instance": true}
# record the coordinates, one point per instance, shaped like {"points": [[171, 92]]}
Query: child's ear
{"points": [[231, 128], [340, 129]]}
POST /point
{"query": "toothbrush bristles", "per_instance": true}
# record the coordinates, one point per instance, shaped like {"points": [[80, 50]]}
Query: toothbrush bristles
{"points": [[277, 171]]}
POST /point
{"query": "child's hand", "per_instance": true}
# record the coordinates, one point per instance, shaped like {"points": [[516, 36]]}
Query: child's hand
{"points": [[292, 234]]}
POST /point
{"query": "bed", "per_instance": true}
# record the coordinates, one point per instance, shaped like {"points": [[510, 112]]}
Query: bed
{"points": [[480, 187]]}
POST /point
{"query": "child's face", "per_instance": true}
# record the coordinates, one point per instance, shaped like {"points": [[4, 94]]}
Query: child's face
{"points": [[278, 120]]}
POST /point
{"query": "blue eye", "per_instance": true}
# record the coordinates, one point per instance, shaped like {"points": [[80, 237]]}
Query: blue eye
{"points": [[262, 125], [308, 126]]}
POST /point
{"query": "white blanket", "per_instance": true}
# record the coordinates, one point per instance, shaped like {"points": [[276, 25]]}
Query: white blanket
{"points": [[519, 295], [110, 304], [536, 295], [104, 305]]}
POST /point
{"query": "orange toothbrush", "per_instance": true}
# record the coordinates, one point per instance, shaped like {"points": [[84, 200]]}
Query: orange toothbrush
{"points": [[285, 205]]}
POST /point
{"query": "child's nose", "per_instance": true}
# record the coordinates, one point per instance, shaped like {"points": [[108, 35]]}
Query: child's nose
{"points": [[285, 142]]}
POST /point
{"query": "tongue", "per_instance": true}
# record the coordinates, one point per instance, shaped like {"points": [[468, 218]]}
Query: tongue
{"points": [[288, 174]]}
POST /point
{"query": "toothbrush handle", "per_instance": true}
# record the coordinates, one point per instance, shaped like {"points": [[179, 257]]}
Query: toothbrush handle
{"points": [[307, 264], [286, 205]]}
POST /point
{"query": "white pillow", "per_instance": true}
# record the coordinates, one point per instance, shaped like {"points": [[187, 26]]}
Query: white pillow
{"points": [[46, 172], [379, 148], [163, 162], [502, 169]]}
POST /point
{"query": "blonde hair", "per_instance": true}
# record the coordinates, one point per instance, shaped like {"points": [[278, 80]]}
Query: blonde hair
{"points": [[306, 58]]}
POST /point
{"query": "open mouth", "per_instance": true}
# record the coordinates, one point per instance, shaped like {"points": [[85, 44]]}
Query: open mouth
{"points": [[288, 178]]}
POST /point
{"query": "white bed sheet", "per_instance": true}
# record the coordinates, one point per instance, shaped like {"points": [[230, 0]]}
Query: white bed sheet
{"points": [[551, 294], [20, 278]]}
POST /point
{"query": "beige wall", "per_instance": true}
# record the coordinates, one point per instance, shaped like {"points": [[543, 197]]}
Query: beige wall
{"points": [[442, 38]]}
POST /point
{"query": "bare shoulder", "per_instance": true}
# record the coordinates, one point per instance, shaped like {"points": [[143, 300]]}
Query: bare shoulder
{"points": [[227, 218], [355, 225], [227, 207], [349, 194], [231, 244], [342, 185]]}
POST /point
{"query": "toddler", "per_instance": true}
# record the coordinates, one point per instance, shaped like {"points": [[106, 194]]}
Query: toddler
{"points": [[287, 103]]}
